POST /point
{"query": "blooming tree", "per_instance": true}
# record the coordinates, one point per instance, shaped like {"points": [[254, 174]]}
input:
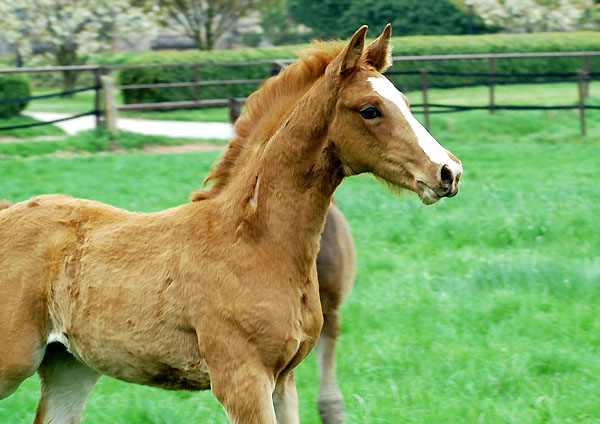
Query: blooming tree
{"points": [[205, 21], [533, 15], [65, 29]]}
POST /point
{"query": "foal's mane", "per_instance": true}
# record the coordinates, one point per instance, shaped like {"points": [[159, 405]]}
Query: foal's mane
{"points": [[265, 110]]}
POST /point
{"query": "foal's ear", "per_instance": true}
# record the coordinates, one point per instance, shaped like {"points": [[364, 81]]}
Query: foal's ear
{"points": [[379, 51], [348, 58]]}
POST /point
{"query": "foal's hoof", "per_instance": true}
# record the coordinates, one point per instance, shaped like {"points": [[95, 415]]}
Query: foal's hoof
{"points": [[331, 410]]}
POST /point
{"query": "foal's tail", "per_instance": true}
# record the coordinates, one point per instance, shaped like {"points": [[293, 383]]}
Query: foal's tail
{"points": [[4, 204]]}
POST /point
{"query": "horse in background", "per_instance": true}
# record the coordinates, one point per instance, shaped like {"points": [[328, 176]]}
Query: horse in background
{"points": [[220, 293]]}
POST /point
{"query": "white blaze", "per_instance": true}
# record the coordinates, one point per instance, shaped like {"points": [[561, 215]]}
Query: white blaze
{"points": [[433, 149]]}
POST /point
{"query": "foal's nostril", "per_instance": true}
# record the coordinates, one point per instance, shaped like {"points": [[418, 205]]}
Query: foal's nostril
{"points": [[446, 176]]}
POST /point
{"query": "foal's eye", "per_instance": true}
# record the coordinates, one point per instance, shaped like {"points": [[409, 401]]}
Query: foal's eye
{"points": [[370, 112]]}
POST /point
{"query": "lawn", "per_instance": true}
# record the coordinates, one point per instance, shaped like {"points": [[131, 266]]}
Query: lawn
{"points": [[480, 309], [94, 141]]}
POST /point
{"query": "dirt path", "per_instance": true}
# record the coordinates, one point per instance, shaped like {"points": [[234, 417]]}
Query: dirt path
{"points": [[182, 148]]}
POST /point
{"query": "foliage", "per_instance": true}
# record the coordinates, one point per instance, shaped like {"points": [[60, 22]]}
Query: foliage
{"points": [[64, 29], [534, 15], [13, 86], [278, 27], [409, 46], [494, 43], [205, 73], [323, 17], [205, 21], [335, 19]]}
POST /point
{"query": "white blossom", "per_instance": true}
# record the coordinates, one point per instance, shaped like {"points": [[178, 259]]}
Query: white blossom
{"points": [[87, 25], [533, 15]]}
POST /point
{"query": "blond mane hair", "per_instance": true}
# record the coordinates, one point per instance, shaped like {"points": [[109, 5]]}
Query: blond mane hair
{"points": [[267, 108]]}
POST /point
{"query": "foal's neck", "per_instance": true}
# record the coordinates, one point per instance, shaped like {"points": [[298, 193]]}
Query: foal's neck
{"points": [[284, 187]]}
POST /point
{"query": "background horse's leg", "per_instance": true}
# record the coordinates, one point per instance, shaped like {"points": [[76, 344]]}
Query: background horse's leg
{"points": [[336, 266], [66, 385], [331, 401], [285, 400]]}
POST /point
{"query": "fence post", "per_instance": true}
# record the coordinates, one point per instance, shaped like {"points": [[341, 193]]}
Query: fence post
{"points": [[424, 87], [586, 69], [492, 83], [110, 105], [97, 74], [581, 85], [275, 68], [196, 87]]}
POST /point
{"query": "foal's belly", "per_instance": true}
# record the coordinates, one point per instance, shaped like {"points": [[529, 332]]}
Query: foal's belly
{"points": [[168, 364]]}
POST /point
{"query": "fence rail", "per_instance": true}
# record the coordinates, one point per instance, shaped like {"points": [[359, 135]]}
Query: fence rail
{"points": [[583, 77]]}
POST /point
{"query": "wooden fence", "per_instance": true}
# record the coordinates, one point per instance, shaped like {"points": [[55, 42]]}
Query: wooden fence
{"points": [[582, 78]]}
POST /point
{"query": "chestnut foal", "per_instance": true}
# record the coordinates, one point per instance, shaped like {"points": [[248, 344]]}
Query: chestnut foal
{"points": [[220, 293]]}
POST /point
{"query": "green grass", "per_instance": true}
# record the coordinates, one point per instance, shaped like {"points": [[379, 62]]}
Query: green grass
{"points": [[41, 131], [521, 94], [93, 141], [480, 309]]}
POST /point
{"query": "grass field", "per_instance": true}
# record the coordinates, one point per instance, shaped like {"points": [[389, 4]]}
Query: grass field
{"points": [[94, 141], [480, 309]]}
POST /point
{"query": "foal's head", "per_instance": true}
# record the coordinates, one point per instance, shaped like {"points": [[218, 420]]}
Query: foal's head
{"points": [[374, 131]]}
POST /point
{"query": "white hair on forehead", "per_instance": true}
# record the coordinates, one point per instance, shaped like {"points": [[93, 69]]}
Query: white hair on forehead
{"points": [[434, 151]]}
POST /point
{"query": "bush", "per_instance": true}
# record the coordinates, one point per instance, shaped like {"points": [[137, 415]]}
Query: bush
{"points": [[403, 46], [205, 73], [335, 18], [13, 86]]}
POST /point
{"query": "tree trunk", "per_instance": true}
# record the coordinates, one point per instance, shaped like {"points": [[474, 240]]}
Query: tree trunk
{"points": [[66, 55], [209, 44]]}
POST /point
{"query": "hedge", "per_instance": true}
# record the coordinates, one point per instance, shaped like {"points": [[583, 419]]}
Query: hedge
{"points": [[493, 43], [13, 86], [403, 46]]}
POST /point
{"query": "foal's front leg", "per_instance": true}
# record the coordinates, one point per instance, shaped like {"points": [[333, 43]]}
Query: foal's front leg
{"points": [[245, 391], [285, 400]]}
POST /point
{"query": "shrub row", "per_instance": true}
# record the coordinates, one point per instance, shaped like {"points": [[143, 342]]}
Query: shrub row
{"points": [[494, 43], [403, 46], [13, 86], [205, 73]]}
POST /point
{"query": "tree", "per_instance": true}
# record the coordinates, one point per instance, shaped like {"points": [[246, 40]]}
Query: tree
{"points": [[278, 27], [534, 15], [65, 29], [338, 19], [205, 21], [321, 16], [426, 17]]}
